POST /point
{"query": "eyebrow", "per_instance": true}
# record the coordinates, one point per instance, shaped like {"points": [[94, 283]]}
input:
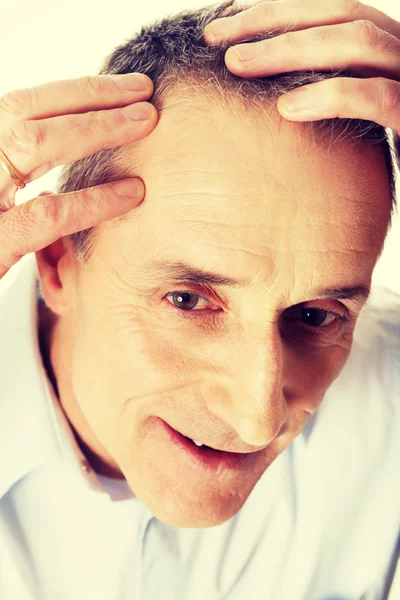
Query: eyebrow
{"points": [[182, 271]]}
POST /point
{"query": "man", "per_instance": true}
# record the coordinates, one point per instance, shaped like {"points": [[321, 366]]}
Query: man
{"points": [[199, 357]]}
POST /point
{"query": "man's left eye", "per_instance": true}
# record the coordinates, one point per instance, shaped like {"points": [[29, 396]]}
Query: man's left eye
{"points": [[187, 301], [317, 317]]}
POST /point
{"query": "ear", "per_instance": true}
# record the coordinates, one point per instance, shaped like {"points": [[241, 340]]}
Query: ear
{"points": [[56, 268]]}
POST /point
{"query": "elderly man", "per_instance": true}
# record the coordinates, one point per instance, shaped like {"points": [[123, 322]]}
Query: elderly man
{"points": [[195, 400]]}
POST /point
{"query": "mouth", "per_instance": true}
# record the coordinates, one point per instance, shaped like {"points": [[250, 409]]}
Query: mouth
{"points": [[202, 457]]}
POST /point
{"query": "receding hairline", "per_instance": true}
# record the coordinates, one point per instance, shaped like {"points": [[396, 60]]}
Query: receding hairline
{"points": [[173, 48], [195, 95]]}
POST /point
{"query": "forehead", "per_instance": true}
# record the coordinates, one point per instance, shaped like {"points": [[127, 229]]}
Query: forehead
{"points": [[250, 187], [201, 145]]}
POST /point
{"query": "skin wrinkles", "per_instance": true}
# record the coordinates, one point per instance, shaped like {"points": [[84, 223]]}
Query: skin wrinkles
{"points": [[204, 226], [124, 357]]}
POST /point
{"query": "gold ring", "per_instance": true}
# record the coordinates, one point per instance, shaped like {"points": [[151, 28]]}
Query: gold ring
{"points": [[12, 171]]}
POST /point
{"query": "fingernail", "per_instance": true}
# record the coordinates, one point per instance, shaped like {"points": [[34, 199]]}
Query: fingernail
{"points": [[129, 187], [137, 112], [244, 51], [298, 101]]}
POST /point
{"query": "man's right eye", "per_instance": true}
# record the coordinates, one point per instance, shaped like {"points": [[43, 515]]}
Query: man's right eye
{"points": [[185, 300], [190, 302]]}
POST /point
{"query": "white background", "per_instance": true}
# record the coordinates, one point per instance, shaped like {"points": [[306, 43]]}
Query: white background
{"points": [[43, 41]]}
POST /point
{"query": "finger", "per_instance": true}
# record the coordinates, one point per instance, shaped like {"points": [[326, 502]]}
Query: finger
{"points": [[375, 99], [31, 226], [358, 46], [293, 15], [35, 147], [8, 201], [74, 96]]}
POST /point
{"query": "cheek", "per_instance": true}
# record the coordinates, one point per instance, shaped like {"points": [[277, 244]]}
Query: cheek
{"points": [[309, 372], [124, 355]]}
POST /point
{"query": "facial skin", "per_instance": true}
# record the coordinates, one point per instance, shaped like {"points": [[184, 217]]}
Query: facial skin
{"points": [[245, 196]]}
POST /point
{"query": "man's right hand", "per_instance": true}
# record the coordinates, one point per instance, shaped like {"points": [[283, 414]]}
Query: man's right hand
{"points": [[55, 124]]}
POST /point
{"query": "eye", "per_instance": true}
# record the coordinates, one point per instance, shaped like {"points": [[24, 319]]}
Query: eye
{"points": [[188, 301], [312, 320], [316, 318]]}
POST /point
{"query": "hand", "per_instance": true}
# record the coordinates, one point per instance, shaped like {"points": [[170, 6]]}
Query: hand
{"points": [[55, 124], [339, 34]]}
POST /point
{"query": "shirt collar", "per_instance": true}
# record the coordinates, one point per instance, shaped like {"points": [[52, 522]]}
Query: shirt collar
{"points": [[33, 427]]}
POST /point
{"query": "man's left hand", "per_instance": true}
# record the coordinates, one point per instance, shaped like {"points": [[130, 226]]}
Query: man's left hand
{"points": [[340, 34]]}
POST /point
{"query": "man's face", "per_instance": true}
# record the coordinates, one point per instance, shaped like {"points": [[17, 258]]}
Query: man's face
{"points": [[239, 368]]}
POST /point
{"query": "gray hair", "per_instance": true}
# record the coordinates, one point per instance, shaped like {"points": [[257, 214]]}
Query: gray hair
{"points": [[172, 51]]}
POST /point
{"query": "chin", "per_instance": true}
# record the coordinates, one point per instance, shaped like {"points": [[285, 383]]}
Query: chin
{"points": [[183, 485], [196, 510]]}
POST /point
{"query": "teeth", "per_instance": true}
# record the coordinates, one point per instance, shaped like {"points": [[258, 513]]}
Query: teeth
{"points": [[197, 443]]}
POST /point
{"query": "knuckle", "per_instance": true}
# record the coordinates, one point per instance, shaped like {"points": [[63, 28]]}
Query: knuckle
{"points": [[265, 10], [291, 39], [304, 4], [391, 44], [95, 85], [87, 124], [339, 90], [367, 33], [101, 120], [339, 86], [318, 35], [388, 96], [349, 7], [90, 198], [45, 210], [26, 136], [18, 102], [79, 124], [112, 84]]}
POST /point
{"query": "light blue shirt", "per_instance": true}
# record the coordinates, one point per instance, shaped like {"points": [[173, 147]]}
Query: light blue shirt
{"points": [[320, 524]]}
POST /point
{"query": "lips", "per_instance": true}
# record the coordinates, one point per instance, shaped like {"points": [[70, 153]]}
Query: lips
{"points": [[204, 460], [196, 442], [214, 446], [201, 443]]}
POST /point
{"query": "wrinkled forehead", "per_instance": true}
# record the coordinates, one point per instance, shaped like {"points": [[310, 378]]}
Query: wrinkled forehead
{"points": [[202, 145], [251, 180]]}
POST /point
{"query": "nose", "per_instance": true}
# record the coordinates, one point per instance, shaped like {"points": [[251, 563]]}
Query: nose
{"points": [[255, 405]]}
